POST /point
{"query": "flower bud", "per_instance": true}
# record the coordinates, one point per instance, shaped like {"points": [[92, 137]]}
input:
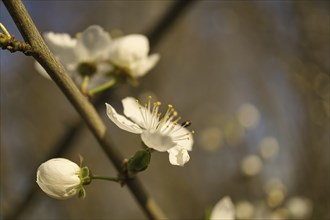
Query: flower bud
{"points": [[130, 53], [223, 209], [60, 178], [139, 162]]}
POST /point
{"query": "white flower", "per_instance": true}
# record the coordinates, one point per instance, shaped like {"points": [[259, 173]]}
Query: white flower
{"points": [[59, 178], [91, 47], [223, 210], [131, 54], [159, 133]]}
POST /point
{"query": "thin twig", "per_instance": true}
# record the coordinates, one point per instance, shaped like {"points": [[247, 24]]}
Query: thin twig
{"points": [[56, 71], [11, 44]]}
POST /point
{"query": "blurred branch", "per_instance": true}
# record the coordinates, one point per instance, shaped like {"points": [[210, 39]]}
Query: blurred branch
{"points": [[87, 112], [172, 15]]}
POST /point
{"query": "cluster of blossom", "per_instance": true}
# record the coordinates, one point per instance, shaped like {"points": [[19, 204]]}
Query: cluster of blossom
{"points": [[62, 179], [94, 54]]}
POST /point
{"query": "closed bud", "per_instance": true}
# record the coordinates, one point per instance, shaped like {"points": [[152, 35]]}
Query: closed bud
{"points": [[139, 162], [62, 179]]}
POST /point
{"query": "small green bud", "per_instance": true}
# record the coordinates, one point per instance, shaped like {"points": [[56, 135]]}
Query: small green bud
{"points": [[139, 162], [87, 68]]}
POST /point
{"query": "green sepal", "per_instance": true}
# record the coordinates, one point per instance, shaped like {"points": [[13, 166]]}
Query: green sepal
{"points": [[82, 193], [139, 162], [87, 68], [84, 176], [207, 214]]}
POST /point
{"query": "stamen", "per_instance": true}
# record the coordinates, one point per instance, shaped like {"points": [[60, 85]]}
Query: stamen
{"points": [[182, 137], [154, 113], [142, 114], [186, 124], [176, 120], [166, 125]]}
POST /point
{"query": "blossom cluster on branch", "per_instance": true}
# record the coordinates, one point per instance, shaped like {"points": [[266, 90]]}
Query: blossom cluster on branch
{"points": [[96, 61], [94, 58]]}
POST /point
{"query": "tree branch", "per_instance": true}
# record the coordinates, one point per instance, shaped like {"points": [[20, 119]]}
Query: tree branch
{"points": [[56, 71]]}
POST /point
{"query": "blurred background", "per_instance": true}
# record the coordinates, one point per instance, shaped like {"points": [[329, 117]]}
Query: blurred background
{"points": [[252, 76]]}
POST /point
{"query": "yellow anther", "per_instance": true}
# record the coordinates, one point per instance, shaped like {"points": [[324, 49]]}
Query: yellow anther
{"points": [[192, 132], [175, 113], [137, 100], [157, 103], [149, 97], [170, 106]]}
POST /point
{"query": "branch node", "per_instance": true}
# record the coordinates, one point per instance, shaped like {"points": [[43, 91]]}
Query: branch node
{"points": [[13, 45]]}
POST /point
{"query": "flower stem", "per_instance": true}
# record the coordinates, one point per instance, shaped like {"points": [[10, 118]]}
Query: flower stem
{"points": [[95, 177], [84, 85], [102, 87]]}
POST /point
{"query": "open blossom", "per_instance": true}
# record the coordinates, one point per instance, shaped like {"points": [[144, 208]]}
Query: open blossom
{"points": [[59, 178], [223, 210], [84, 55], [130, 53], [161, 133]]}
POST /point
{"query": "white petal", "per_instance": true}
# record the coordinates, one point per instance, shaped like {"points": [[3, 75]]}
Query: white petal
{"points": [[182, 137], [59, 191], [93, 43], [60, 171], [157, 141], [59, 40], [223, 210], [62, 45], [140, 68], [121, 121], [178, 156], [132, 110], [129, 49]]}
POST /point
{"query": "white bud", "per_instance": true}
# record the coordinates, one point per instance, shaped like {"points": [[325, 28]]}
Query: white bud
{"points": [[59, 178], [224, 209], [131, 54]]}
